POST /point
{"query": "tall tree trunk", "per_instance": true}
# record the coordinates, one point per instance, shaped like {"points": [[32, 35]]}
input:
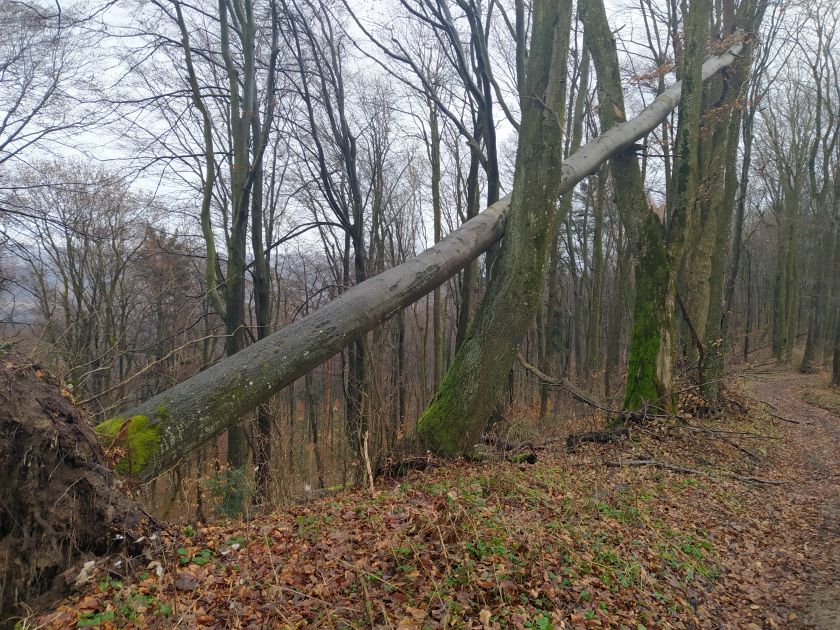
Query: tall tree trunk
{"points": [[818, 303], [834, 294], [649, 377], [738, 237], [593, 342], [399, 420], [721, 280], [312, 423], [553, 314], [262, 307], [471, 387], [357, 413], [779, 289], [622, 297], [836, 371], [645, 381], [237, 442], [714, 345], [469, 277], [748, 322], [437, 304], [576, 272]]}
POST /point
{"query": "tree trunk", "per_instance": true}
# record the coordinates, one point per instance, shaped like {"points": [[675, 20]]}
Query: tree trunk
{"points": [[836, 371], [593, 342], [738, 237], [234, 315], [645, 372], [472, 386], [469, 277], [649, 367], [722, 281], [311, 414], [818, 302], [262, 307], [748, 322], [437, 304], [553, 315]]}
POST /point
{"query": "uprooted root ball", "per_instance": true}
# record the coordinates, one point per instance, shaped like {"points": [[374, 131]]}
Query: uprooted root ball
{"points": [[59, 504]]}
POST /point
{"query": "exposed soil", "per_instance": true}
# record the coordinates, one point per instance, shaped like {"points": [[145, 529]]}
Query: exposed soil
{"points": [[58, 502]]}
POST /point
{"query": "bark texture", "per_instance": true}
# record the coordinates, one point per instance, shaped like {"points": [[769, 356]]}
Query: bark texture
{"points": [[646, 371], [470, 389], [649, 370]]}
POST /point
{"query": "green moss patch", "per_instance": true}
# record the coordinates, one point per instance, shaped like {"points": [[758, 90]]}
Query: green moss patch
{"points": [[139, 437]]}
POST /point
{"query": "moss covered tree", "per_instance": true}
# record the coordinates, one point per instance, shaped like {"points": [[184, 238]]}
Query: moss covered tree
{"points": [[641, 225], [649, 366], [470, 389]]}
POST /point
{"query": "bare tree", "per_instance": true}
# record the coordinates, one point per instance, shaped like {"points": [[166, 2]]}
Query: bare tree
{"points": [[44, 77]]}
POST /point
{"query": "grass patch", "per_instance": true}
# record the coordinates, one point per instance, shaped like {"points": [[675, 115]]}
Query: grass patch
{"points": [[827, 398]]}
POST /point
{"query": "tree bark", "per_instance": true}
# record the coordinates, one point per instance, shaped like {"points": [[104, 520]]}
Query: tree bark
{"points": [[725, 204], [649, 377], [644, 375], [552, 318], [836, 370], [437, 304], [593, 342], [470, 390]]}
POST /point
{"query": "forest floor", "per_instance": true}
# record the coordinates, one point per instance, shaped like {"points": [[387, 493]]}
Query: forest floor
{"points": [[746, 534]]}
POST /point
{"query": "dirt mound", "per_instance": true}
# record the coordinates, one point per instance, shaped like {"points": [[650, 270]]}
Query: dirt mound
{"points": [[59, 504]]}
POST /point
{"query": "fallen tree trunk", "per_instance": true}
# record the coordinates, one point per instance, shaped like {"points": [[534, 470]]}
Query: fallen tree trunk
{"points": [[161, 431]]}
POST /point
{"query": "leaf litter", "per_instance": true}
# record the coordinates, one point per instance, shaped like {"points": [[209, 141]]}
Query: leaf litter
{"points": [[565, 543]]}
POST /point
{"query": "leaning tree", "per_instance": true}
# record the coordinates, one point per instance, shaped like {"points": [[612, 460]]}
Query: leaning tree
{"points": [[173, 424]]}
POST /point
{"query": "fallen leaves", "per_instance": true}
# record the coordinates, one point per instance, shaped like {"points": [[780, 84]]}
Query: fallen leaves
{"points": [[566, 543]]}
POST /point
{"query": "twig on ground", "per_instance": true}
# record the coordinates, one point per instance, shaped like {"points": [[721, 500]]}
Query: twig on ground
{"points": [[565, 384], [748, 434], [777, 416], [368, 469], [692, 471]]}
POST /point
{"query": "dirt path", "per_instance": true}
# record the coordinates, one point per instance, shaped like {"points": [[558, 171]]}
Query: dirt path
{"points": [[801, 560]]}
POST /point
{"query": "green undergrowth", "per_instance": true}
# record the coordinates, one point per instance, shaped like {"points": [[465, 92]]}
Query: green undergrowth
{"points": [[826, 397]]}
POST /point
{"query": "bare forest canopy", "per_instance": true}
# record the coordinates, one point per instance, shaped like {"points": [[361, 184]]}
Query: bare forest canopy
{"points": [[260, 220]]}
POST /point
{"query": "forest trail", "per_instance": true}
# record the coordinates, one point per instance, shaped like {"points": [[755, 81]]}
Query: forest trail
{"points": [[809, 454]]}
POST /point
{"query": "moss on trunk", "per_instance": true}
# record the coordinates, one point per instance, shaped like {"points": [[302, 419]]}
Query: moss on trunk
{"points": [[471, 387], [137, 435], [648, 380]]}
